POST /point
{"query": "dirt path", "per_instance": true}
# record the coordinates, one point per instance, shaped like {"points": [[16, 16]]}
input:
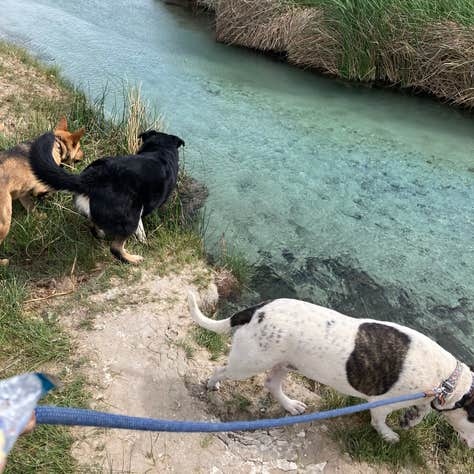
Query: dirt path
{"points": [[137, 349]]}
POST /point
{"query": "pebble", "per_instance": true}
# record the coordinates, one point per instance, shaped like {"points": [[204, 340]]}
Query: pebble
{"points": [[285, 465], [314, 468], [275, 432], [301, 434]]}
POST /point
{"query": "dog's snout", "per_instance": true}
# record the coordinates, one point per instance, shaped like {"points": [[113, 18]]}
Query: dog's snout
{"points": [[78, 156]]}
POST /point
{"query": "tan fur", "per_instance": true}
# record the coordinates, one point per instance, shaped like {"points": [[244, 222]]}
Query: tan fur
{"points": [[17, 180], [118, 249]]}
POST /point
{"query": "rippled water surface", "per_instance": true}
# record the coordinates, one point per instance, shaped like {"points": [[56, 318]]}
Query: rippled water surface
{"points": [[355, 198]]}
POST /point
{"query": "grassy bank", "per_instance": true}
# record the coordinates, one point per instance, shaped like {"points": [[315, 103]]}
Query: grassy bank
{"points": [[53, 254], [51, 250], [422, 45], [432, 446]]}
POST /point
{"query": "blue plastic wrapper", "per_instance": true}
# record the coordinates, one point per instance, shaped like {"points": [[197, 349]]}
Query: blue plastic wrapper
{"points": [[18, 398]]}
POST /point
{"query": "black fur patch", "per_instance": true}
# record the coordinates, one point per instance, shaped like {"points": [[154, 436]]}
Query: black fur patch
{"points": [[377, 360], [468, 405], [244, 316], [261, 315]]}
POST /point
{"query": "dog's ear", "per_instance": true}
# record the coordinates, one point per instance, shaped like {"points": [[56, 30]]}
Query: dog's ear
{"points": [[179, 142], [62, 124], [77, 135], [147, 134]]}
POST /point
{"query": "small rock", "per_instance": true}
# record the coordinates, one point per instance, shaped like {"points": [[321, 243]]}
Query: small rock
{"points": [[301, 434], [285, 465], [275, 432], [323, 428], [314, 468], [282, 443]]}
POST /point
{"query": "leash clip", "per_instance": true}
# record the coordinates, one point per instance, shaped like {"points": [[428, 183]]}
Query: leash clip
{"points": [[447, 387]]}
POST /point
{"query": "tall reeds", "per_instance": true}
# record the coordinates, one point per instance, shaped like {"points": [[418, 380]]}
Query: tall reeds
{"points": [[425, 45]]}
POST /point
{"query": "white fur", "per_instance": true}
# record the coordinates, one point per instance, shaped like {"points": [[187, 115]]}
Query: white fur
{"points": [[140, 232], [83, 205], [317, 341]]}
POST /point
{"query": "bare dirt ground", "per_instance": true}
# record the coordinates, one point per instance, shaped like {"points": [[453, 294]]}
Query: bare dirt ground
{"points": [[140, 359]]}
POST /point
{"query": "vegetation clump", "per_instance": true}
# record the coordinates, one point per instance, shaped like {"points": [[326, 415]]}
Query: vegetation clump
{"points": [[52, 252], [423, 45]]}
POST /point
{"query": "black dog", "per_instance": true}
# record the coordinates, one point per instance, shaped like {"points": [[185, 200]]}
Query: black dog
{"points": [[116, 192]]}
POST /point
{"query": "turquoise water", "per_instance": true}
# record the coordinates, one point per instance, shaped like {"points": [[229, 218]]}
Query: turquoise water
{"points": [[354, 198]]}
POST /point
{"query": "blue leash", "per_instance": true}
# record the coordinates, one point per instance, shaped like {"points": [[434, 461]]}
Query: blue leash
{"points": [[50, 415]]}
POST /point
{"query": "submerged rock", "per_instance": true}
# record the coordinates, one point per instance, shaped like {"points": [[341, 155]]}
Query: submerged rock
{"points": [[341, 284]]}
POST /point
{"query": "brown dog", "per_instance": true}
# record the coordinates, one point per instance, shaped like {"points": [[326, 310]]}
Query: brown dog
{"points": [[17, 181]]}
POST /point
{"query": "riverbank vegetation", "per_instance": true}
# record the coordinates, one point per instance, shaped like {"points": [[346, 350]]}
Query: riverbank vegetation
{"points": [[52, 253], [423, 45]]}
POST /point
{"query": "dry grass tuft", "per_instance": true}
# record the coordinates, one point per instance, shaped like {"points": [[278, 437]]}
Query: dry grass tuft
{"points": [[259, 25], [440, 61], [137, 118], [315, 42], [425, 54]]}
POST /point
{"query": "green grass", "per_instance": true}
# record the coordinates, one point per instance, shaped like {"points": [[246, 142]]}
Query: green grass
{"points": [[346, 11], [187, 347], [54, 242], [431, 443], [235, 261], [215, 343]]}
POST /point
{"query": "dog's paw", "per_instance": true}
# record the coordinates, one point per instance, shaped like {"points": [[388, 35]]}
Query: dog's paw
{"points": [[404, 422], [97, 233], [295, 407], [4, 262], [391, 437], [410, 418], [135, 259]]}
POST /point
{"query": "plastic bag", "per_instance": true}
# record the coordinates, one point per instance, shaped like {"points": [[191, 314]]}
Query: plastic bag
{"points": [[18, 398]]}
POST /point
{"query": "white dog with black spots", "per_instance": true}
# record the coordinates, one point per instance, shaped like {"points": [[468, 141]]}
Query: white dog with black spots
{"points": [[364, 358]]}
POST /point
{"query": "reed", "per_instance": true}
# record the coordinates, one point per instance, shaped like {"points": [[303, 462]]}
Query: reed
{"points": [[424, 45]]}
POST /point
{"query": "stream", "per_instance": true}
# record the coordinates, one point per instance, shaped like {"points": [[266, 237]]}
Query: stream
{"points": [[355, 198]]}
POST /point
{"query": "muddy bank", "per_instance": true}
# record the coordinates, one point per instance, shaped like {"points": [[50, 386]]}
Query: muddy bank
{"points": [[436, 58]]}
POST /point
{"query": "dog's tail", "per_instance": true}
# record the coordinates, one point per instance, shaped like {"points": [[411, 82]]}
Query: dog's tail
{"points": [[46, 169], [220, 326]]}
